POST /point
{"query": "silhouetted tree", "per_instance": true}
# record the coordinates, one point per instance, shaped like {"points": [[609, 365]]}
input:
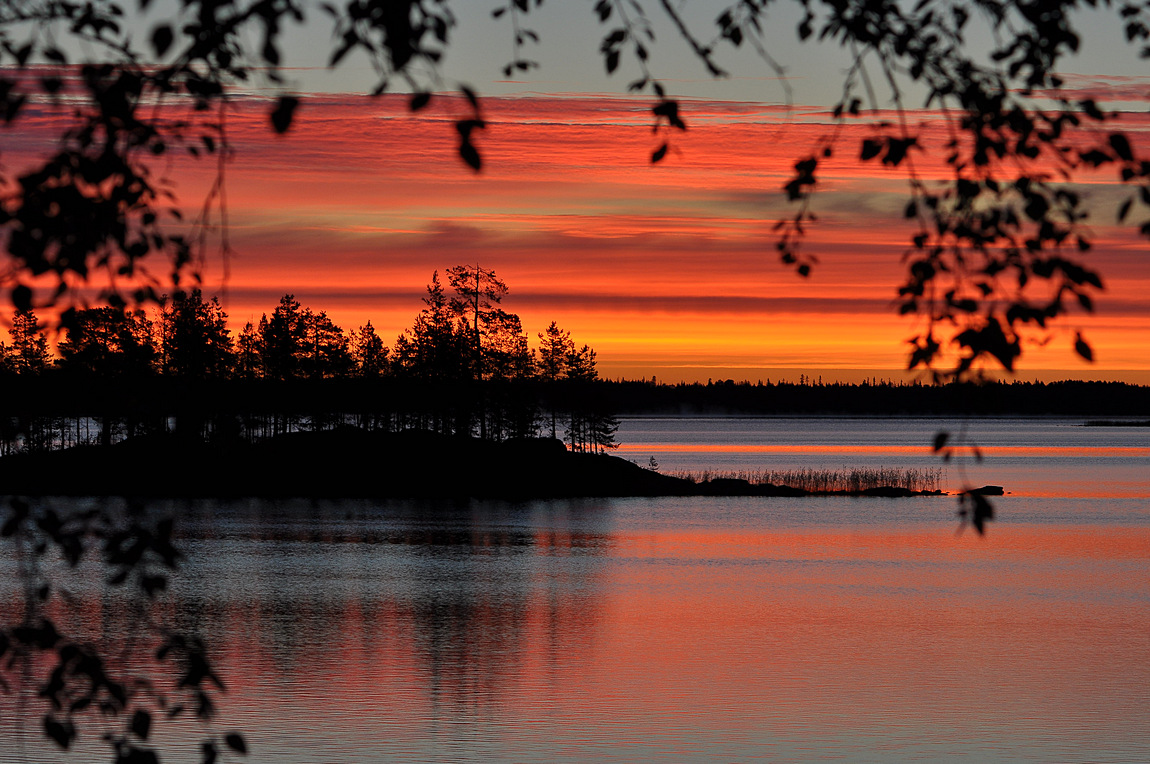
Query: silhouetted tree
{"points": [[506, 354], [370, 358], [601, 428], [282, 339], [508, 363], [324, 353], [249, 353], [26, 357], [108, 342], [585, 417], [554, 349], [580, 365], [195, 345], [478, 292], [368, 353], [404, 356], [436, 346], [436, 350], [29, 351], [194, 338]]}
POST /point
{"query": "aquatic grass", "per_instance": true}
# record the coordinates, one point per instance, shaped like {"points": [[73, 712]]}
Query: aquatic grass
{"points": [[817, 481]]}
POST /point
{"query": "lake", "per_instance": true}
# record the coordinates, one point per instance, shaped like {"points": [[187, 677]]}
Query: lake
{"points": [[687, 629]]}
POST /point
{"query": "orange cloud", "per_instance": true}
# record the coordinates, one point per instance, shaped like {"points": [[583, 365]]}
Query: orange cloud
{"points": [[658, 267]]}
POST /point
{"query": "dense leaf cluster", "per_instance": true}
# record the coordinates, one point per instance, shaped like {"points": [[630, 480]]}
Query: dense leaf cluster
{"points": [[1001, 240]]}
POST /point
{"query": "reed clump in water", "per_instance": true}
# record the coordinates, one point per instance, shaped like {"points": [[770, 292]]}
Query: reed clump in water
{"points": [[829, 481]]}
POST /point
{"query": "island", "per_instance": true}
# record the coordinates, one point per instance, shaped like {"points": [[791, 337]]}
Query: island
{"points": [[348, 462]]}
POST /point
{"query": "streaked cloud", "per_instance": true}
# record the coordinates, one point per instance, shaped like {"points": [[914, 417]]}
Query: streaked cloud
{"points": [[672, 265]]}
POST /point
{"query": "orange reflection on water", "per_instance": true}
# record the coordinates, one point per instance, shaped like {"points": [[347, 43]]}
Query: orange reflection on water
{"points": [[853, 631], [906, 546], [723, 644]]}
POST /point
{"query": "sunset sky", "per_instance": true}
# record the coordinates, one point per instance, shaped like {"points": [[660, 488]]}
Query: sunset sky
{"points": [[666, 270]]}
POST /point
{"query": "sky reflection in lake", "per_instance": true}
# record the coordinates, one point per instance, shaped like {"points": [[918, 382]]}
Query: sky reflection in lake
{"points": [[684, 629]]}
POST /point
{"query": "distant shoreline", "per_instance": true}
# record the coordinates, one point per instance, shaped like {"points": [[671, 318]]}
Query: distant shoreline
{"points": [[1072, 399], [59, 394]]}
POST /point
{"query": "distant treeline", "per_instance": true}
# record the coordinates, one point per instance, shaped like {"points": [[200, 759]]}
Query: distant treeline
{"points": [[464, 367], [1067, 398]]}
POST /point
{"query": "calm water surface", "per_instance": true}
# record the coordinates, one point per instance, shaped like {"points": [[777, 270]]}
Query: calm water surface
{"points": [[701, 629]]}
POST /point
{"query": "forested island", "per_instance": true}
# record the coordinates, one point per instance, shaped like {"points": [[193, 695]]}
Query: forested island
{"points": [[463, 368], [459, 405]]}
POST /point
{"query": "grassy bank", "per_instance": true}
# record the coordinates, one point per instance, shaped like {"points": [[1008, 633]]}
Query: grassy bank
{"points": [[828, 481]]}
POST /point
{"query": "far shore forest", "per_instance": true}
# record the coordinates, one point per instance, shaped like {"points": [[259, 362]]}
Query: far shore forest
{"points": [[465, 367]]}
